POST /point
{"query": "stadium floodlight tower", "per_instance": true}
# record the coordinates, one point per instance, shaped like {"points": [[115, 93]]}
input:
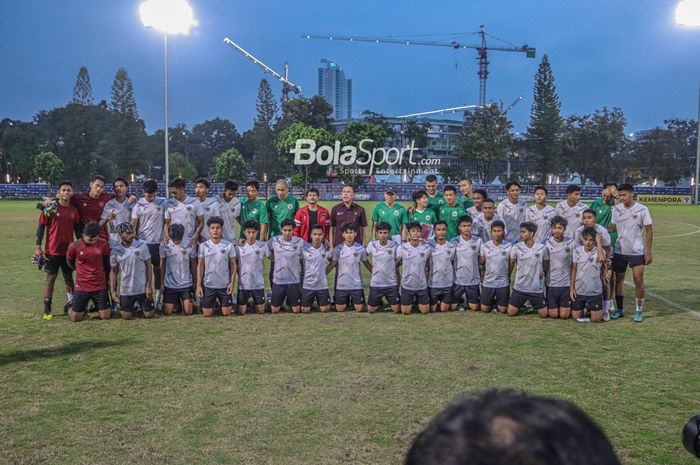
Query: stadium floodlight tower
{"points": [[168, 17], [688, 14]]}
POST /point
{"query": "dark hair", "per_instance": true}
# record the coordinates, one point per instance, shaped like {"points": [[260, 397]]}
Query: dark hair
{"points": [[150, 186], [92, 229], [608, 184], [98, 177], [204, 181], [65, 183], [559, 220], [351, 186], [383, 226], [348, 227], [431, 178], [287, 222], [177, 183], [542, 188], [251, 224], [449, 188], [513, 183], [314, 190], [481, 192], [418, 194], [253, 183], [469, 180], [573, 188], [316, 226], [487, 200], [465, 219], [498, 224], [588, 232], [176, 231], [439, 222], [530, 226], [215, 220], [511, 427], [231, 185], [414, 225], [589, 211], [117, 179], [625, 187]]}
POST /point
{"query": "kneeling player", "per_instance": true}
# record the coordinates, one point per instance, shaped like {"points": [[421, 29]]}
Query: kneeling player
{"points": [[216, 270], [466, 266], [532, 261], [315, 285], [495, 256], [251, 281], [175, 271], [413, 257], [348, 279], [441, 277], [560, 249], [384, 282], [586, 279], [286, 254], [132, 260]]}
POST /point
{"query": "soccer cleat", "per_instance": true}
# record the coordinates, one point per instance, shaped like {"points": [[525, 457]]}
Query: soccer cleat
{"points": [[638, 316], [583, 320], [617, 314], [47, 316], [606, 315]]}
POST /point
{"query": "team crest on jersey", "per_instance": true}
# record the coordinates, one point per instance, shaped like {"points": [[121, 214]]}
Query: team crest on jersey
{"points": [[537, 254], [521, 209], [567, 249], [184, 252], [454, 214], [634, 216], [222, 251], [257, 252], [189, 207], [290, 206], [396, 212], [137, 252], [254, 211], [577, 215], [503, 252], [545, 217], [422, 254], [427, 217], [473, 246], [207, 208], [355, 254], [81, 252]]}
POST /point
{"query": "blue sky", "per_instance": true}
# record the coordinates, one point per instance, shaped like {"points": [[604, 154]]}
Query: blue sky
{"points": [[620, 53]]}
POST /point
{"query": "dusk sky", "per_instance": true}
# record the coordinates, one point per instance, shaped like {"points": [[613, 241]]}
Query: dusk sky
{"points": [[623, 53]]}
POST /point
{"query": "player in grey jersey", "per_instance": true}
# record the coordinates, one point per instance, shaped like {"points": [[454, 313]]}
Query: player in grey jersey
{"points": [[532, 262], [216, 270], [586, 279], [541, 214], [414, 259], [314, 288], [147, 218], [210, 206], [251, 282], [347, 257], [481, 225], [131, 260], [175, 271], [571, 209], [230, 210], [558, 281], [466, 266], [385, 275], [498, 267], [512, 211], [286, 253], [117, 210], [441, 277]]}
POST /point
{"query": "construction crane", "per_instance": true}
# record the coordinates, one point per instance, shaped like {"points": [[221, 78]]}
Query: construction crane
{"points": [[456, 109], [287, 85], [482, 50]]}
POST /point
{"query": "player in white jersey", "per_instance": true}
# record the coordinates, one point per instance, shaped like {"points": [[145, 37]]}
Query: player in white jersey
{"points": [[147, 218], [183, 210], [481, 225], [385, 276], [286, 252], [635, 233], [512, 211], [347, 257], [494, 255], [413, 256], [210, 205], [130, 259], [230, 209], [251, 281], [216, 270], [586, 279], [175, 271], [558, 281], [478, 196], [441, 277], [532, 262], [466, 267], [571, 209], [541, 214], [316, 256], [117, 210]]}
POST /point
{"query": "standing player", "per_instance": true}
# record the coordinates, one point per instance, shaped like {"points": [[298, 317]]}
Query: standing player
{"points": [[147, 218], [175, 271], [286, 253], [89, 257], [251, 281], [560, 249], [478, 196], [632, 222], [310, 215], [281, 207], [184, 210], [91, 204], [482, 223], [131, 259], [532, 261], [315, 285], [60, 224], [495, 256], [385, 280], [586, 279], [512, 211], [252, 208], [423, 214], [571, 209], [441, 277], [348, 278], [450, 212], [413, 257], [466, 266], [390, 211], [435, 198], [540, 214], [603, 209], [347, 212], [465, 188], [117, 210], [603, 243], [209, 206], [230, 208], [216, 270]]}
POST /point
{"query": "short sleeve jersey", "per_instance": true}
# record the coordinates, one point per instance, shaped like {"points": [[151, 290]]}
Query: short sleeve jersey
{"points": [[559, 262], [255, 211], [466, 202], [573, 215], [512, 214], [279, 210], [89, 264], [341, 214], [150, 219], [383, 263], [315, 262], [630, 224], [217, 273], [528, 277], [287, 256], [177, 264], [131, 262], [210, 207], [473, 212], [348, 276], [466, 264], [542, 219], [603, 211], [230, 211], [60, 229], [436, 202], [250, 265], [91, 209], [413, 263], [441, 264], [482, 227], [451, 215], [497, 263], [184, 213], [605, 235], [123, 212], [427, 219], [588, 280], [395, 215]]}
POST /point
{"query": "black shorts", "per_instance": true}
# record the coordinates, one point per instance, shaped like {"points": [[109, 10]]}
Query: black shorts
{"points": [[174, 296], [391, 294], [440, 294], [244, 295], [591, 302], [470, 294], [309, 296], [343, 297], [154, 251], [500, 294], [211, 295], [289, 292], [81, 299], [55, 263], [558, 297], [518, 299], [135, 303], [621, 262], [409, 296]]}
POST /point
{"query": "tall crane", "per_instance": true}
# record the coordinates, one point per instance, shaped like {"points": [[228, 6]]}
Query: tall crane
{"points": [[456, 109], [287, 85], [482, 50]]}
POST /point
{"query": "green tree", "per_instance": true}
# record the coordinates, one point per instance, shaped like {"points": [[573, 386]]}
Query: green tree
{"points": [[123, 101], [286, 140], [48, 167], [180, 167], [357, 131], [544, 136], [265, 157], [82, 91], [207, 141], [266, 105], [20, 142], [230, 165], [315, 112]]}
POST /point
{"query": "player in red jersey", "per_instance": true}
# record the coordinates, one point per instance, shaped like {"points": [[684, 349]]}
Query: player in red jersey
{"points": [[89, 256], [59, 221]]}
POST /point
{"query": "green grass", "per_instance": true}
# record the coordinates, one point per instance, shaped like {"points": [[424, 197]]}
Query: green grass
{"points": [[328, 388]]}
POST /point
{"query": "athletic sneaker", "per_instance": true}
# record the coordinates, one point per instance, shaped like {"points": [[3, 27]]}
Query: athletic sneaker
{"points": [[638, 316], [617, 314], [606, 315], [47, 316], [583, 320]]}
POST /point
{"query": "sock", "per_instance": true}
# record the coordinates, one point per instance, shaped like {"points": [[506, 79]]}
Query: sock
{"points": [[47, 305], [640, 304], [69, 295], [606, 305], [619, 300]]}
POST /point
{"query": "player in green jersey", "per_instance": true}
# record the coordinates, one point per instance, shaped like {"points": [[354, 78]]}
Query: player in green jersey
{"points": [[435, 198], [465, 187], [252, 208], [451, 211], [423, 214], [280, 207], [391, 212]]}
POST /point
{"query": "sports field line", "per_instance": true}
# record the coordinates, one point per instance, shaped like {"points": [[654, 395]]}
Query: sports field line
{"points": [[697, 230], [667, 301]]}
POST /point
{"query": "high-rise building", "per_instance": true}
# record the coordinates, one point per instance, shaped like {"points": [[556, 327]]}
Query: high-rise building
{"points": [[337, 90]]}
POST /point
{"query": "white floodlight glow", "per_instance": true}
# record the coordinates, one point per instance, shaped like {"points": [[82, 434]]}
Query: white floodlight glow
{"points": [[688, 13], [168, 16]]}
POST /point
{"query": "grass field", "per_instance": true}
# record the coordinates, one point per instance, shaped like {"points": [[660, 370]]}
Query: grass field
{"points": [[329, 388]]}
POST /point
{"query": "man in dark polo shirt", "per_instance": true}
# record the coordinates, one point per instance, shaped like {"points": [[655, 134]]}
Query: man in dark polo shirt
{"points": [[347, 212]]}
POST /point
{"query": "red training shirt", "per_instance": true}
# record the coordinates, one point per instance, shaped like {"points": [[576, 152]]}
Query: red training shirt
{"points": [[89, 264], [60, 228], [91, 209], [302, 222]]}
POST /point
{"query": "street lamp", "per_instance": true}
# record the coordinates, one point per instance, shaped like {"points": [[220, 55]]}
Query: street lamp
{"points": [[168, 17], [688, 14]]}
